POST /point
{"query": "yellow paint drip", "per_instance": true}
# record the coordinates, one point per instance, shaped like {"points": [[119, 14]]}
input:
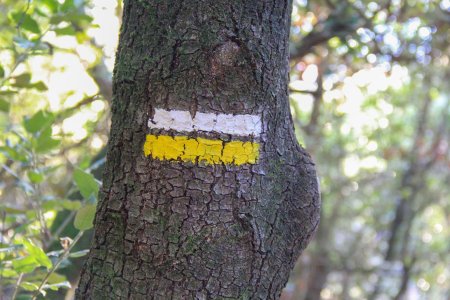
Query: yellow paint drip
{"points": [[206, 151]]}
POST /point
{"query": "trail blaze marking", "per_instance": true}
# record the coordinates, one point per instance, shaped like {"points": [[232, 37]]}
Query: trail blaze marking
{"points": [[210, 152], [241, 125], [203, 150]]}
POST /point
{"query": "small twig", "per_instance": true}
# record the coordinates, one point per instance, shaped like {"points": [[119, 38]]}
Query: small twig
{"points": [[71, 110], [38, 202], [10, 172], [21, 58], [310, 128], [16, 289], [58, 262]]}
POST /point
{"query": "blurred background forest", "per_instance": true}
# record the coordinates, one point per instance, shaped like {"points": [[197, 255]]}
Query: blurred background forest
{"points": [[370, 97]]}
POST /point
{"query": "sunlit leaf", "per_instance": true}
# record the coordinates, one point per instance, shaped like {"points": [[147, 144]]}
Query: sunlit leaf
{"points": [[75, 17], [35, 177], [39, 121], [40, 86], [25, 264], [61, 204], [12, 210], [51, 4], [86, 183], [79, 253], [26, 22], [57, 286], [68, 5], [28, 286], [84, 218], [70, 204], [23, 81], [37, 253], [45, 142], [56, 277], [68, 30], [82, 37], [9, 273], [13, 154]]}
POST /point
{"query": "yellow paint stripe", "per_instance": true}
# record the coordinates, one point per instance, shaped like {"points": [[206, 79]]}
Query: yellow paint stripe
{"points": [[206, 151]]}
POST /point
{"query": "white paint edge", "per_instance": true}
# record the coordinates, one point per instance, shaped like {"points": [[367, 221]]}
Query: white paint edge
{"points": [[223, 123]]}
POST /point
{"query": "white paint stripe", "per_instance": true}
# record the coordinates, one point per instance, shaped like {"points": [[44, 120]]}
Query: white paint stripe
{"points": [[223, 123]]}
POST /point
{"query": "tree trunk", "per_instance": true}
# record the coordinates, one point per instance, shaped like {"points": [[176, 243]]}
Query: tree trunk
{"points": [[206, 193]]}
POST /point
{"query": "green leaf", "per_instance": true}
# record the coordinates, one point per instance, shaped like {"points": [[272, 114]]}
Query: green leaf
{"points": [[12, 210], [56, 278], [23, 80], [28, 286], [68, 30], [35, 177], [39, 121], [68, 5], [26, 22], [37, 253], [61, 204], [40, 12], [8, 93], [2, 72], [86, 183], [334, 42], [79, 253], [57, 286], [25, 264], [4, 105], [9, 273], [13, 154], [51, 4], [75, 17], [82, 37], [40, 86], [70, 204], [84, 218], [56, 19], [30, 24], [45, 142]]}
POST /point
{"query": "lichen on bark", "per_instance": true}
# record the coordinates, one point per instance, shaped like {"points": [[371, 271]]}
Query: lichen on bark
{"points": [[168, 229]]}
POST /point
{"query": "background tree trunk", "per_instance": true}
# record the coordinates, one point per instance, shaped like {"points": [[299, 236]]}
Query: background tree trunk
{"points": [[168, 229]]}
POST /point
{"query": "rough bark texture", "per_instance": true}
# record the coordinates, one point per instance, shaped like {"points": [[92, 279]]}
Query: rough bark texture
{"points": [[176, 230]]}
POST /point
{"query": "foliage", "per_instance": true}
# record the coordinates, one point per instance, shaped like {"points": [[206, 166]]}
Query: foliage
{"points": [[47, 203], [370, 102]]}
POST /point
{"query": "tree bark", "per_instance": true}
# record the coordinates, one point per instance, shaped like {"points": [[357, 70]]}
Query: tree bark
{"points": [[174, 228]]}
